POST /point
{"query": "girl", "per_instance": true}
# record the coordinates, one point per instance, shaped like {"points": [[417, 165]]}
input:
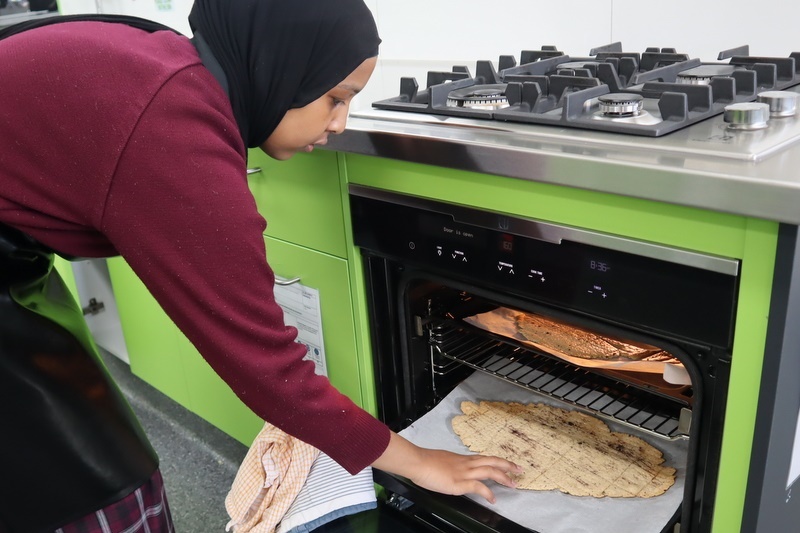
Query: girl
{"points": [[123, 137]]}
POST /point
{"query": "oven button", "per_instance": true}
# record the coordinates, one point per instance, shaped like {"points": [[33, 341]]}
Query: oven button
{"points": [[505, 268], [598, 291], [536, 275]]}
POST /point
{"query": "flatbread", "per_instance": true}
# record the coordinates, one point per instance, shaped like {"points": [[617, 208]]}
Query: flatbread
{"points": [[573, 341], [564, 450]]}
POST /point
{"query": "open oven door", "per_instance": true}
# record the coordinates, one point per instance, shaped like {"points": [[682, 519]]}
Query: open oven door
{"points": [[379, 520], [410, 508]]}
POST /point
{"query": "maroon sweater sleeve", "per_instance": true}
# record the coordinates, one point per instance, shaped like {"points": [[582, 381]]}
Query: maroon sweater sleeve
{"points": [[180, 212]]}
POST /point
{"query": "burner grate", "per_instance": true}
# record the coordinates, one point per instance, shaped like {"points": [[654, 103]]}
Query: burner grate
{"points": [[597, 394], [551, 88]]}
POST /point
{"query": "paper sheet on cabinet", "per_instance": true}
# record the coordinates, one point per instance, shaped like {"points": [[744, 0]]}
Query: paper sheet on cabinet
{"points": [[553, 511], [301, 309]]}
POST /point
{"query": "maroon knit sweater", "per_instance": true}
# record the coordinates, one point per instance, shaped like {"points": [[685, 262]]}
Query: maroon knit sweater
{"points": [[115, 141]]}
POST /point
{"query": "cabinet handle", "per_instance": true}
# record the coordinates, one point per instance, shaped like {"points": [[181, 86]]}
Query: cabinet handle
{"points": [[254, 170], [285, 281]]}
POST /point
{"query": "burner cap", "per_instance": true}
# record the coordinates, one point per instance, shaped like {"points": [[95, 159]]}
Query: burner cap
{"points": [[621, 104], [479, 97], [702, 75]]}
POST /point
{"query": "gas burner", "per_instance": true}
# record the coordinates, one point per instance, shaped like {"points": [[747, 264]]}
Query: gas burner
{"points": [[620, 104], [479, 97], [702, 75]]}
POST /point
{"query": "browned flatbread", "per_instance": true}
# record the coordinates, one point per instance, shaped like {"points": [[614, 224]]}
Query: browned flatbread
{"points": [[573, 341], [564, 450]]}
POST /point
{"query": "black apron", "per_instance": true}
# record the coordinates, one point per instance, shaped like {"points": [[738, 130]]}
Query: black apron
{"points": [[69, 442]]}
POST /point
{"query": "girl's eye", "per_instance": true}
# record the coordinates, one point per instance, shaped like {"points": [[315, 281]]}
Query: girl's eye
{"points": [[337, 101]]}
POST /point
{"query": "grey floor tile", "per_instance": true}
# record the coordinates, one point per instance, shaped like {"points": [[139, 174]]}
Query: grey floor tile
{"points": [[198, 461]]}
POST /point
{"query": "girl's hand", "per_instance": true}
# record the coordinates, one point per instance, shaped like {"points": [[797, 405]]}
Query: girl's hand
{"points": [[446, 472]]}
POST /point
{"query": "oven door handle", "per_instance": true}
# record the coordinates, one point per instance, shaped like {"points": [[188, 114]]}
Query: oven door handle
{"points": [[458, 512]]}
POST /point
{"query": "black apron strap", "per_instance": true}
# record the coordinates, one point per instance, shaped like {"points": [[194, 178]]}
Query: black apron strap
{"points": [[136, 22]]}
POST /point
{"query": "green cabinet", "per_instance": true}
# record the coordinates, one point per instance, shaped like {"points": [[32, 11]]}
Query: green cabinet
{"points": [[212, 399], [64, 269], [163, 357], [301, 199], [329, 275], [152, 339]]}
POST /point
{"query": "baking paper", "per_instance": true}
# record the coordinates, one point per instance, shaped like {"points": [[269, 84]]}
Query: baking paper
{"points": [[501, 321], [554, 511]]}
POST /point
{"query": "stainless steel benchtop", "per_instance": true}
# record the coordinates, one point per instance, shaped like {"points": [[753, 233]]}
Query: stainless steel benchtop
{"points": [[751, 173]]}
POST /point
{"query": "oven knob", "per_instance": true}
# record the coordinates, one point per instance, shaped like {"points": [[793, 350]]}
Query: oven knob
{"points": [[781, 103], [747, 116]]}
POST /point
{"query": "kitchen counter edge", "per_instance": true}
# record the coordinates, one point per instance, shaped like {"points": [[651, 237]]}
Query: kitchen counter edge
{"points": [[765, 188]]}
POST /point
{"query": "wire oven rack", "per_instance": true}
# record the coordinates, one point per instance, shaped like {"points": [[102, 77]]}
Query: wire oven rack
{"points": [[455, 343]]}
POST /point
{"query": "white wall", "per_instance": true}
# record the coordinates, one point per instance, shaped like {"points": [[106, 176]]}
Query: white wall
{"points": [[173, 13], [422, 35]]}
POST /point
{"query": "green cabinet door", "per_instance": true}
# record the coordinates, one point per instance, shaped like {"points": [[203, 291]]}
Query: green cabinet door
{"points": [[214, 401], [152, 339], [161, 355], [328, 275], [64, 269], [300, 198]]}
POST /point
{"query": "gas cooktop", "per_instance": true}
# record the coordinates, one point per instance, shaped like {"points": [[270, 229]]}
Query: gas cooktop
{"points": [[648, 94]]}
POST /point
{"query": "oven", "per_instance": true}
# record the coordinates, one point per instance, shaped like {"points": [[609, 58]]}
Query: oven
{"points": [[444, 282]]}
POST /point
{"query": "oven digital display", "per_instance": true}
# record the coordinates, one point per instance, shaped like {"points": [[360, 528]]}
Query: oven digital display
{"points": [[506, 243], [442, 226], [599, 266]]}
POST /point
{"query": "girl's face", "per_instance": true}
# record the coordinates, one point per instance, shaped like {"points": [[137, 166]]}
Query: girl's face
{"points": [[304, 127]]}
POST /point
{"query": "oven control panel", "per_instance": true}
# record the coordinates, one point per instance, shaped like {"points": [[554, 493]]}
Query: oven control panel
{"points": [[622, 280]]}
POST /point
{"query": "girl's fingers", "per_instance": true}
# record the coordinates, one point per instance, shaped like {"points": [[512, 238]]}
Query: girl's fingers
{"points": [[488, 472]]}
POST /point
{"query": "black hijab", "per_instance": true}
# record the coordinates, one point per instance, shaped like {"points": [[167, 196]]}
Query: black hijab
{"points": [[282, 54]]}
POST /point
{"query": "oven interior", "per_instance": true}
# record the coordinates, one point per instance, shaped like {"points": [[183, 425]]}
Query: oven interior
{"points": [[455, 349]]}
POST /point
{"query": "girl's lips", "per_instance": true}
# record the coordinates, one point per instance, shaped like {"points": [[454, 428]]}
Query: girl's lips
{"points": [[310, 147]]}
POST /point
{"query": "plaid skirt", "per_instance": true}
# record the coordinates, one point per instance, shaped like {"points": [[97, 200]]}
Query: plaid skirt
{"points": [[144, 510]]}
